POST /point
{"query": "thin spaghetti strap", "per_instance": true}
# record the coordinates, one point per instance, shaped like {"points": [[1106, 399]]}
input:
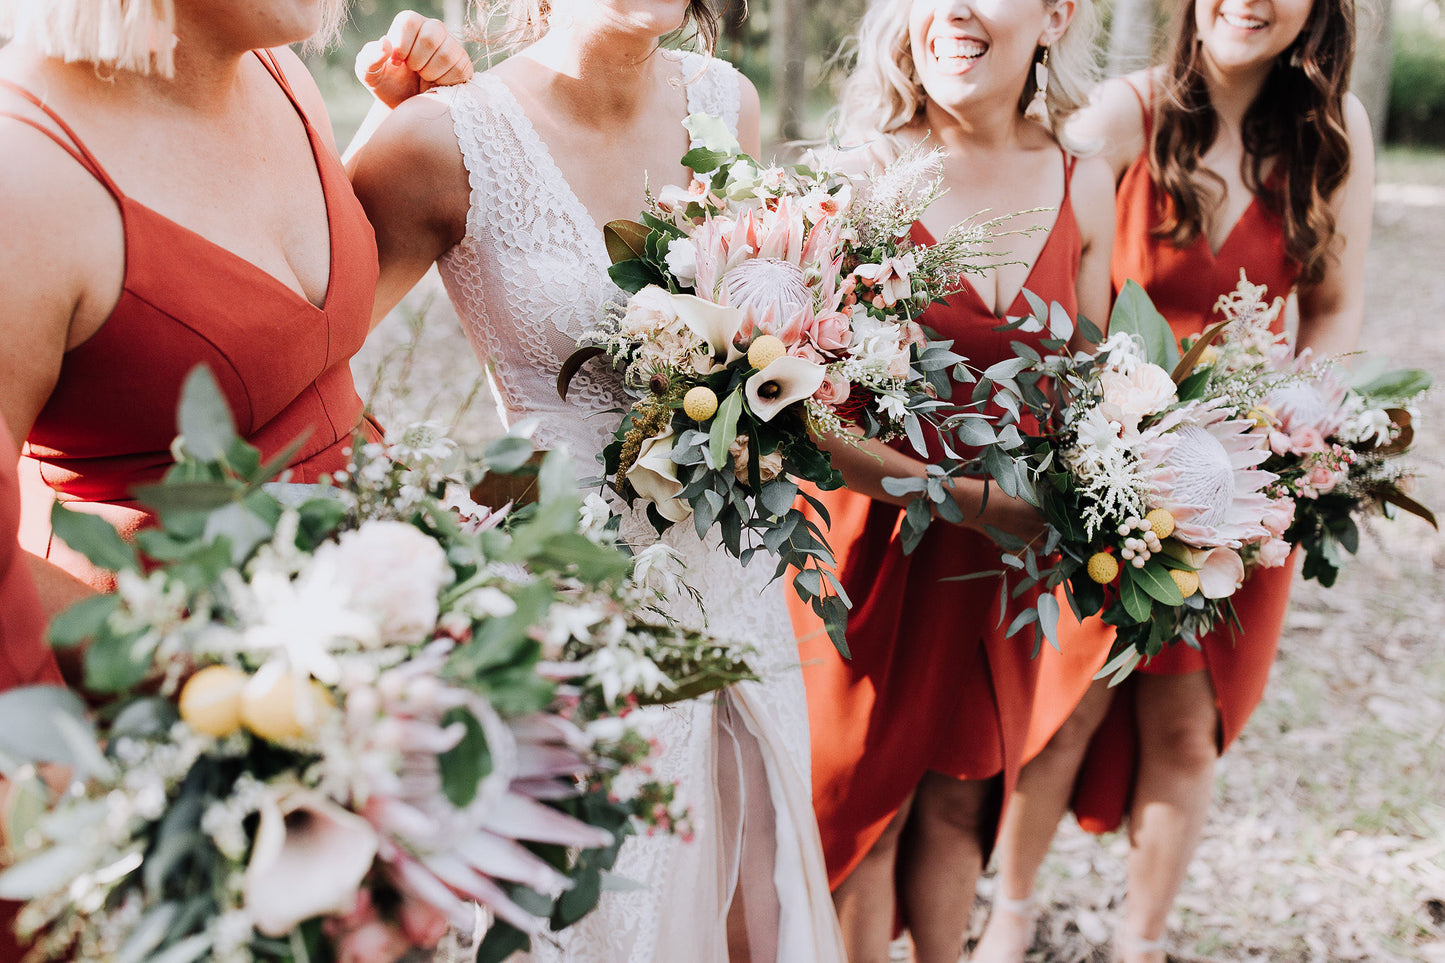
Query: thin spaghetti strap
{"points": [[273, 67], [1146, 107], [75, 147]]}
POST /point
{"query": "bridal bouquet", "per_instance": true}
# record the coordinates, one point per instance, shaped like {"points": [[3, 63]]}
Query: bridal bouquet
{"points": [[1148, 472], [1336, 446], [341, 717], [769, 305]]}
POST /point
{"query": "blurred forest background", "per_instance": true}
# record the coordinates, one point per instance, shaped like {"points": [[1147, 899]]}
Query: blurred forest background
{"points": [[795, 52]]}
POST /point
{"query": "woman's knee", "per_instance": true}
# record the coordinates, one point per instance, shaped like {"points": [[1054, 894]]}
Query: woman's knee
{"points": [[945, 806]]}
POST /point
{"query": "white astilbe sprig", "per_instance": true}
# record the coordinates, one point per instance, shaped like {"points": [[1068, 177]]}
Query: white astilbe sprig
{"points": [[887, 203]]}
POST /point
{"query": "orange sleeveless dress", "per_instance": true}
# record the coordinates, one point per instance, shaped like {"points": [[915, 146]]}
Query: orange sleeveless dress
{"points": [[1184, 285], [25, 659], [933, 684], [283, 364]]}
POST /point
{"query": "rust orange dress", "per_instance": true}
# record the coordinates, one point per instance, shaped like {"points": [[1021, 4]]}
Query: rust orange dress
{"points": [[281, 361], [25, 659], [1184, 285], [933, 684]]}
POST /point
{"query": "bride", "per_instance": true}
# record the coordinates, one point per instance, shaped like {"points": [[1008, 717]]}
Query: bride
{"points": [[504, 182]]}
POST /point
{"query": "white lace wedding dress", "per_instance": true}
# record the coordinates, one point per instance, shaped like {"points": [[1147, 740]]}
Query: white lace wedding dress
{"points": [[529, 277]]}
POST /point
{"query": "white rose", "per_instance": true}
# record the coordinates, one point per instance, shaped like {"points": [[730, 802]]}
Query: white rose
{"points": [[649, 313], [682, 261], [654, 476], [1145, 391], [396, 573]]}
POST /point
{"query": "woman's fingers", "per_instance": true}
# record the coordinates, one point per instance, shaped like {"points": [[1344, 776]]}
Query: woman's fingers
{"points": [[429, 50]]}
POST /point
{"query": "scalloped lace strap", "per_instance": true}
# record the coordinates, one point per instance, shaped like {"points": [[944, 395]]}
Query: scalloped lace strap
{"points": [[713, 87]]}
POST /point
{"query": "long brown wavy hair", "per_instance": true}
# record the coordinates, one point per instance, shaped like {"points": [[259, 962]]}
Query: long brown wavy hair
{"points": [[1295, 128]]}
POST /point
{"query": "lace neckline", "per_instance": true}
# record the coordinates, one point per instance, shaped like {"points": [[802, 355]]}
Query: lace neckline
{"points": [[537, 148]]}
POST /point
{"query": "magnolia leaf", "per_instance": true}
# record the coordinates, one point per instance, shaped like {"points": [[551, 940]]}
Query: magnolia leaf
{"points": [[1135, 314], [1135, 599], [1404, 383], [465, 765], [1404, 432], [724, 429], [205, 421], [625, 240], [93, 537], [1404, 502], [1187, 364], [573, 364], [634, 275], [700, 160]]}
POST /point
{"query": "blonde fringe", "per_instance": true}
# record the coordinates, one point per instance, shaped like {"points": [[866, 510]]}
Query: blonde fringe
{"points": [[882, 94]]}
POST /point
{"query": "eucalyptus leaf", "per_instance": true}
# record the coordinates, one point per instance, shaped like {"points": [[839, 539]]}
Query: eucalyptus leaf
{"points": [[48, 871], [205, 421], [82, 621], [93, 537], [31, 728]]}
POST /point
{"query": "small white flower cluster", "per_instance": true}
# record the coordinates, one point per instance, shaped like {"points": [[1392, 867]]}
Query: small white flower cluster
{"points": [[225, 821], [1140, 542]]}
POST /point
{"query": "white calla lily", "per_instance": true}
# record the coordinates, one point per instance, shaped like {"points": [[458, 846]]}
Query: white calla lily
{"points": [[309, 859], [654, 476], [781, 383], [714, 323]]}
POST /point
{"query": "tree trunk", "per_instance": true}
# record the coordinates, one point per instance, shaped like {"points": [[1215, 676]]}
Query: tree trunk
{"points": [[1375, 51], [785, 49], [1131, 36]]}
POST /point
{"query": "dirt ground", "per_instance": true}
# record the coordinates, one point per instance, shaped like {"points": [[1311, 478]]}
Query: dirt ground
{"points": [[1327, 840]]}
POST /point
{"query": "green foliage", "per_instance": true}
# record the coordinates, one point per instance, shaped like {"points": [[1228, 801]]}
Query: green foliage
{"points": [[1417, 77]]}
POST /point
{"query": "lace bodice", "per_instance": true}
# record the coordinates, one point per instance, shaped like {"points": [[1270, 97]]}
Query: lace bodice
{"points": [[530, 276]]}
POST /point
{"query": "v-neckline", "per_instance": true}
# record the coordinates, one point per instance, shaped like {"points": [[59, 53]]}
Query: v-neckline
{"points": [[251, 266], [1033, 268], [595, 238], [1214, 254], [254, 268]]}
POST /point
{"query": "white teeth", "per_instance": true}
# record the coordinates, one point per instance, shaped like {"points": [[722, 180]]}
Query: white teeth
{"points": [[1242, 22], [947, 47]]}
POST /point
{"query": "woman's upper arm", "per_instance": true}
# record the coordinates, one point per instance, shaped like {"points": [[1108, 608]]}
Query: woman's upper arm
{"points": [[413, 184], [1332, 311], [62, 259], [750, 118], [1092, 193], [1111, 125]]}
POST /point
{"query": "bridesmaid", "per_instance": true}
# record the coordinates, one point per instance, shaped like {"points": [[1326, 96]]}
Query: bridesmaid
{"points": [[24, 657], [918, 739], [194, 211], [1243, 150]]}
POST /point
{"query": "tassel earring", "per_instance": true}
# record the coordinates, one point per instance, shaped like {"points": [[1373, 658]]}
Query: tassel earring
{"points": [[1038, 108]]}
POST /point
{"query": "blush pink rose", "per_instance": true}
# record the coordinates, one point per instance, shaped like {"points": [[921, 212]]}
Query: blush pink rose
{"points": [[833, 391], [1280, 516], [1322, 479], [1307, 441], [832, 332], [1274, 553]]}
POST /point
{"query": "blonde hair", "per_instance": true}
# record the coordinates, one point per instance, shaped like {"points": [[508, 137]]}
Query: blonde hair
{"points": [[883, 95], [523, 22], [134, 35]]}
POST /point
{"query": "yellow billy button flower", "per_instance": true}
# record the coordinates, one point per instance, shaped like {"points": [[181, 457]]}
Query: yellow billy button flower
{"points": [[287, 708], [764, 350], [211, 700], [1188, 582], [1161, 521], [1103, 568], [700, 403]]}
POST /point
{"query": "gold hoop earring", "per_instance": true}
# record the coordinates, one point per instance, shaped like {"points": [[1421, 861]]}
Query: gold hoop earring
{"points": [[1038, 108]]}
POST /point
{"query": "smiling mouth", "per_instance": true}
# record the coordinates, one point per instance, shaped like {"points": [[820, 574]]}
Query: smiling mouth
{"points": [[957, 52], [1243, 21]]}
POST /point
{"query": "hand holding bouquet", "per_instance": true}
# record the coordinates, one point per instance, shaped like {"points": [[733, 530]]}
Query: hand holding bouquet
{"points": [[342, 717], [770, 305]]}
